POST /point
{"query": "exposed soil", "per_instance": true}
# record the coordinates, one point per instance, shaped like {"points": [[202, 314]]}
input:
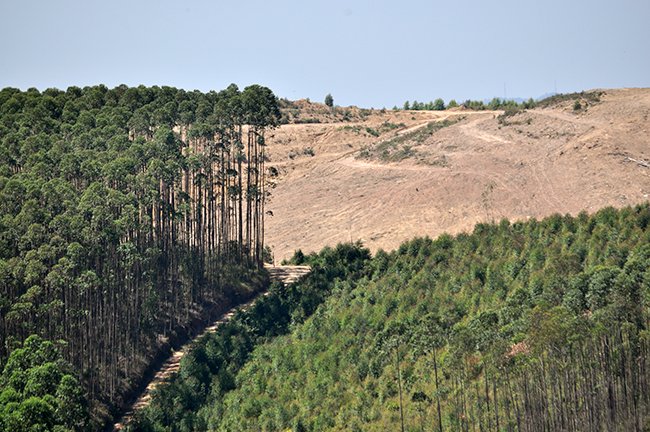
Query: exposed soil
{"points": [[482, 168]]}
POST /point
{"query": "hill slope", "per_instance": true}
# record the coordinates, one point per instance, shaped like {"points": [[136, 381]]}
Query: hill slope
{"points": [[532, 326], [479, 169]]}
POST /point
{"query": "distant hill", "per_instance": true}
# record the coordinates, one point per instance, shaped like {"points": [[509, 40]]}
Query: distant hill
{"points": [[518, 100], [545, 95]]}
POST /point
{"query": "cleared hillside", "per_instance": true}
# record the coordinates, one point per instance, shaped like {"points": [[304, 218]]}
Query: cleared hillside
{"points": [[384, 177]]}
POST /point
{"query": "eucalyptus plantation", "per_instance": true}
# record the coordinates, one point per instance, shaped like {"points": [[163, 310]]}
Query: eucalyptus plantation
{"points": [[126, 214]]}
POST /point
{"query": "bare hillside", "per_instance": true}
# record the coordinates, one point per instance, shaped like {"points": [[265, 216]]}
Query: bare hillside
{"points": [[384, 177]]}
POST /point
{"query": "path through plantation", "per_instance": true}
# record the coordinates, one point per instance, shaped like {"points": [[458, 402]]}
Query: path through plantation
{"points": [[285, 274]]}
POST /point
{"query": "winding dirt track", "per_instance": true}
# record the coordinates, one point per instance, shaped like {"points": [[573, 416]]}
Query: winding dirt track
{"points": [[285, 274]]}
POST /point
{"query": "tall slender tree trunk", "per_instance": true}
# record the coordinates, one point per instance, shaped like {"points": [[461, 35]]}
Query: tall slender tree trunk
{"points": [[399, 384], [435, 372]]}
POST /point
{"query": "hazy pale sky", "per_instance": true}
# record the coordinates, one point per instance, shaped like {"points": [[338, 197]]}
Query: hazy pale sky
{"points": [[366, 53]]}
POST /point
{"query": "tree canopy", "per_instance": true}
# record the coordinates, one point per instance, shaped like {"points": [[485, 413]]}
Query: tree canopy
{"points": [[40, 391]]}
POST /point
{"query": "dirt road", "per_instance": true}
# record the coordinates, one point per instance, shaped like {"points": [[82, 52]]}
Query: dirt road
{"points": [[284, 274]]}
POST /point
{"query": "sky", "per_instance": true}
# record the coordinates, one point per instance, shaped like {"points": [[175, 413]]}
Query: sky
{"points": [[365, 53]]}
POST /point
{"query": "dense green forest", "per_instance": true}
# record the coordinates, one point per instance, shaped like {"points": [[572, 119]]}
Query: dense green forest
{"points": [[127, 216], [40, 391], [526, 326]]}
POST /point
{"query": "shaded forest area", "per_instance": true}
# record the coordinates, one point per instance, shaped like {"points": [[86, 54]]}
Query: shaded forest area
{"points": [[126, 216], [209, 371], [526, 326]]}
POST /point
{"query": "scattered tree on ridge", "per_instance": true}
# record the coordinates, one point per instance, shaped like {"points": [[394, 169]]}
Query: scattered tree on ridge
{"points": [[329, 100]]}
